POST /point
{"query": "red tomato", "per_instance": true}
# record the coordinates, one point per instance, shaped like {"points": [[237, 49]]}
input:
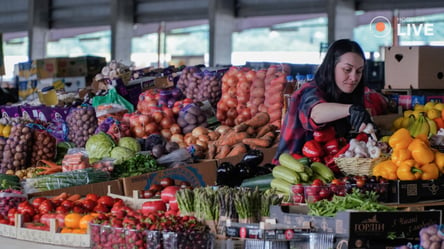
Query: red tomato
{"points": [[166, 181], [46, 207], [36, 226], [148, 194], [156, 187], [317, 182], [45, 218], [91, 196], [25, 207], [89, 204], [106, 200], [173, 205], [37, 201], [101, 208], [61, 210], [68, 204], [60, 219], [11, 215], [169, 193], [153, 206]]}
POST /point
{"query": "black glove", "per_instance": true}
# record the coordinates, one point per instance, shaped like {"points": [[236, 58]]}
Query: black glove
{"points": [[358, 115]]}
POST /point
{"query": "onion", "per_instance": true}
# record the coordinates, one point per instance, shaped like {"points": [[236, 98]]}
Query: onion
{"points": [[166, 123], [199, 130], [166, 133], [175, 129], [144, 119], [157, 117], [178, 138], [151, 128]]}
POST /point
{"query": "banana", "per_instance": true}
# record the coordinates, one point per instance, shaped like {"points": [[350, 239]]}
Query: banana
{"points": [[424, 127], [413, 125], [432, 125]]}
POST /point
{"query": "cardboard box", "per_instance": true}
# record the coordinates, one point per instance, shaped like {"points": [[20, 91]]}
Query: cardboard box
{"points": [[382, 230], [198, 174], [85, 65], [52, 67], [100, 188], [414, 191], [418, 67]]}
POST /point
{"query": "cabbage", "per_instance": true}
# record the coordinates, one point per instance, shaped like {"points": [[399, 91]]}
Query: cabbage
{"points": [[121, 154], [130, 143], [99, 145]]}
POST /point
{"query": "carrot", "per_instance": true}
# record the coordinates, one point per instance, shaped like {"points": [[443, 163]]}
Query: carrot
{"points": [[260, 119], [74, 197], [232, 138], [62, 196], [257, 142], [251, 131], [237, 149], [48, 168]]}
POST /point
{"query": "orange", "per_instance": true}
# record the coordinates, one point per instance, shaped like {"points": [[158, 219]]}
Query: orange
{"points": [[72, 220], [79, 231], [66, 230], [83, 223]]}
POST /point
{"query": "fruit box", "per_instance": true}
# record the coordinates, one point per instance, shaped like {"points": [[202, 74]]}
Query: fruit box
{"points": [[197, 174], [381, 230], [416, 67], [414, 191]]}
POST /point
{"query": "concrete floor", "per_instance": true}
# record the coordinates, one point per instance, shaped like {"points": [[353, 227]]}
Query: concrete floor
{"points": [[10, 243]]}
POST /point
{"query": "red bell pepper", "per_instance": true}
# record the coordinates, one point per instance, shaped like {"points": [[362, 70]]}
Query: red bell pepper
{"points": [[332, 146], [324, 135], [312, 149], [296, 156]]}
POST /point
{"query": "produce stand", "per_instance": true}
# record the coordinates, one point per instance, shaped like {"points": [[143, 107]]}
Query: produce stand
{"points": [[193, 163]]}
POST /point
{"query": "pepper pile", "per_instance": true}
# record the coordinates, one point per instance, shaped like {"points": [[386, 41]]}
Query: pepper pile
{"points": [[411, 159]]}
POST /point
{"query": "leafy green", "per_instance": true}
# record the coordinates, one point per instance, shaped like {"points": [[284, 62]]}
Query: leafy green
{"points": [[136, 165]]}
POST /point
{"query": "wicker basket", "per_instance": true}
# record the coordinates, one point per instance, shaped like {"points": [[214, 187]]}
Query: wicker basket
{"points": [[358, 166]]}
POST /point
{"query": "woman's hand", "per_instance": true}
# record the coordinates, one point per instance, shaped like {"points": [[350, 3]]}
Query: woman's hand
{"points": [[359, 117]]}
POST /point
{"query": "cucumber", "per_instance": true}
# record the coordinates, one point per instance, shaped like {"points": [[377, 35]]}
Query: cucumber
{"points": [[262, 181], [288, 161], [305, 161], [281, 185], [286, 174], [322, 170]]}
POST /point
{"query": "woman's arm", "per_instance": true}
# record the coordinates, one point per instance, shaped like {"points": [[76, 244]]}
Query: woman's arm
{"points": [[328, 112]]}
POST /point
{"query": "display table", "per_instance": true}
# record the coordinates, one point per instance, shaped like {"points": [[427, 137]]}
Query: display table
{"points": [[418, 206], [11, 243]]}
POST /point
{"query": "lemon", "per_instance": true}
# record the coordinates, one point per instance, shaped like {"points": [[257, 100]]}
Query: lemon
{"points": [[6, 130], [429, 105], [418, 107], [439, 106], [398, 123], [433, 113], [407, 113]]}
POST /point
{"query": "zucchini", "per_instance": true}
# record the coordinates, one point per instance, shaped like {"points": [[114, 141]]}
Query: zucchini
{"points": [[288, 161], [286, 174], [322, 170], [304, 161], [262, 181], [281, 186]]}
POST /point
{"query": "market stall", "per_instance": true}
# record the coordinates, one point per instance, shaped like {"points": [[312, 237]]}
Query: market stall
{"points": [[182, 158]]}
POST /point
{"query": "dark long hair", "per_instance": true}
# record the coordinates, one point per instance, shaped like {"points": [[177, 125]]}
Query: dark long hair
{"points": [[325, 75]]}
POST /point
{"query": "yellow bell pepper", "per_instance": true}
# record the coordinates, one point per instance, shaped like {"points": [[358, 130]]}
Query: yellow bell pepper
{"points": [[439, 161], [429, 171], [386, 169], [408, 170], [421, 152], [400, 139], [400, 155]]}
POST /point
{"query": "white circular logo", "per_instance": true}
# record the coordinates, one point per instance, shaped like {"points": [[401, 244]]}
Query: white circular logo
{"points": [[380, 26]]}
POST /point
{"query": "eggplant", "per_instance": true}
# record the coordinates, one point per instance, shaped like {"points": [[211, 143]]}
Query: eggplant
{"points": [[253, 158], [226, 175]]}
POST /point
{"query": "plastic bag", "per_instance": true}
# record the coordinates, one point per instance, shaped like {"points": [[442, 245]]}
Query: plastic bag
{"points": [[180, 155], [112, 97]]}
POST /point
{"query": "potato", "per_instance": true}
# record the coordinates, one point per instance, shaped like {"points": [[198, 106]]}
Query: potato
{"points": [[190, 118]]}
